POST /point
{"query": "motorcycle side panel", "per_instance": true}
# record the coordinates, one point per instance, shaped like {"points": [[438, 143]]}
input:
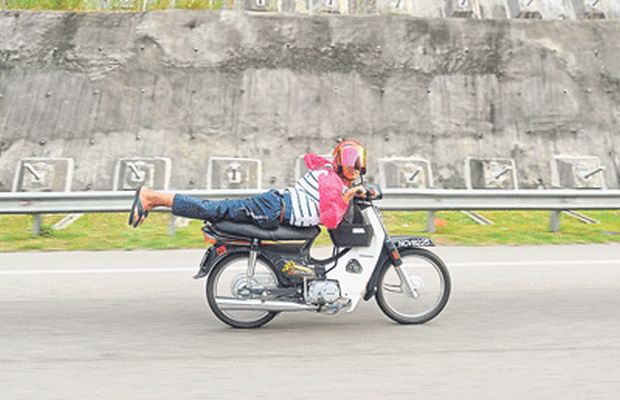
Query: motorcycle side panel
{"points": [[280, 255], [353, 284]]}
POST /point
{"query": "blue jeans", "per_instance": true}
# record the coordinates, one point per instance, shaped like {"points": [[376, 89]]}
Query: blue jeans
{"points": [[263, 210]]}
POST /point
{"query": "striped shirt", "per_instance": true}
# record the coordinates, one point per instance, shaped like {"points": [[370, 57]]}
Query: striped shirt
{"points": [[305, 199]]}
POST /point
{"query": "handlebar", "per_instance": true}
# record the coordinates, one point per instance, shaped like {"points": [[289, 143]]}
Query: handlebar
{"points": [[376, 188]]}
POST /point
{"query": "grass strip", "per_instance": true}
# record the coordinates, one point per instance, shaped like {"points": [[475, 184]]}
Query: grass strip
{"points": [[110, 231]]}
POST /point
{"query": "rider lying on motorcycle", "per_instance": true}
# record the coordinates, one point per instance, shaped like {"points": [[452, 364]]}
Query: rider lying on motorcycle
{"points": [[321, 196]]}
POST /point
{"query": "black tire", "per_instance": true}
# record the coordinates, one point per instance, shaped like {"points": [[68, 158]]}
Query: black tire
{"points": [[210, 288], [436, 308]]}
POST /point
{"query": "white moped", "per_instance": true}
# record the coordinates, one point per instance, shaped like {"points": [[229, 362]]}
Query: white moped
{"points": [[254, 274]]}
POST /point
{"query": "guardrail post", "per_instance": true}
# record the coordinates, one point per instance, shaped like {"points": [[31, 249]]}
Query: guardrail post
{"points": [[554, 223], [430, 222], [36, 225], [172, 228]]}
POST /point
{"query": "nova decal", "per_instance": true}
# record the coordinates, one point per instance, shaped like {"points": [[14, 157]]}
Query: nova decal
{"points": [[414, 242]]}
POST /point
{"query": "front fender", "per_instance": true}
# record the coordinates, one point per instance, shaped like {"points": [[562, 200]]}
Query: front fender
{"points": [[401, 243], [383, 262]]}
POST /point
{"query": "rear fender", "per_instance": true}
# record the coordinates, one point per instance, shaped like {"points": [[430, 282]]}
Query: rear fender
{"points": [[215, 254]]}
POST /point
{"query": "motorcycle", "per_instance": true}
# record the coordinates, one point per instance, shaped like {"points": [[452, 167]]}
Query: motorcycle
{"points": [[254, 274]]}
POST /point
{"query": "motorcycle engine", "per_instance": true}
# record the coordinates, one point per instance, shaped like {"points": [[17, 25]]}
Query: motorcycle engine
{"points": [[323, 292]]}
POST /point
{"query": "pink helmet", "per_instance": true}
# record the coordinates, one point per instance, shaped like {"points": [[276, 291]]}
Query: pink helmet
{"points": [[350, 156]]}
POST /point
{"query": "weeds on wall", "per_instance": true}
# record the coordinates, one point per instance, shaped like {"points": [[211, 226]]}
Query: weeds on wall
{"points": [[114, 5]]}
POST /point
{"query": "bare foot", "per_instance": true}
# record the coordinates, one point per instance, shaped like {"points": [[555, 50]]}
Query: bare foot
{"points": [[149, 199], [146, 196]]}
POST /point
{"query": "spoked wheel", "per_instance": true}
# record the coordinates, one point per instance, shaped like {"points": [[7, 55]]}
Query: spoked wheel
{"points": [[228, 281], [416, 291]]}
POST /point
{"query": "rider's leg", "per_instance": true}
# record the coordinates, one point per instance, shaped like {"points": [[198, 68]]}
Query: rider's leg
{"points": [[263, 209], [192, 207], [210, 210]]}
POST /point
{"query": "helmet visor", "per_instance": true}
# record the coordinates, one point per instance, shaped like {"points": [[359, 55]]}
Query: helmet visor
{"points": [[353, 157]]}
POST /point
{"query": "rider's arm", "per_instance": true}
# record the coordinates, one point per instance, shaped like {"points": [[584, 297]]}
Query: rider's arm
{"points": [[332, 205]]}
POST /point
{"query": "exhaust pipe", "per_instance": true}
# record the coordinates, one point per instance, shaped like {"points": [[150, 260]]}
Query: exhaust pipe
{"points": [[258, 305]]}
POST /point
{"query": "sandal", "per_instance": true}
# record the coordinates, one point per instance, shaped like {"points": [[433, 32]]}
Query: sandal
{"points": [[137, 207]]}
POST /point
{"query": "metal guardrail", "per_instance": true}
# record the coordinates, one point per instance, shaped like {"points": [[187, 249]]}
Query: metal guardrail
{"points": [[93, 202], [430, 200]]}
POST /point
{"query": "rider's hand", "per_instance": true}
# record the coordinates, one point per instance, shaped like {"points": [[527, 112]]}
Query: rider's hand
{"points": [[355, 191], [361, 192], [373, 193], [367, 193]]}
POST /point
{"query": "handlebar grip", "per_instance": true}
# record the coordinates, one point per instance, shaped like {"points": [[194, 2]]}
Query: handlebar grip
{"points": [[376, 188]]}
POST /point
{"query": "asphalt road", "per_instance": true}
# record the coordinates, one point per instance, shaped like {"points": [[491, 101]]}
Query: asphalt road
{"points": [[522, 323]]}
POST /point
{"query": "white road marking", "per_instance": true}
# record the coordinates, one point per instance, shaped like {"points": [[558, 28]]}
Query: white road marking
{"points": [[194, 269], [95, 271], [533, 263]]}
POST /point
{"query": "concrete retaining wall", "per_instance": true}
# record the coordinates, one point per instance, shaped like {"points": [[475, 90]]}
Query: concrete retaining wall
{"points": [[189, 85]]}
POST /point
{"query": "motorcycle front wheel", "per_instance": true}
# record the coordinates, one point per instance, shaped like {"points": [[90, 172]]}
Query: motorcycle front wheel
{"points": [[228, 281], [425, 294]]}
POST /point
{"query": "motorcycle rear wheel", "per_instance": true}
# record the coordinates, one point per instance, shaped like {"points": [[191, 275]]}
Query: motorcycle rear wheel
{"points": [[429, 279], [227, 280]]}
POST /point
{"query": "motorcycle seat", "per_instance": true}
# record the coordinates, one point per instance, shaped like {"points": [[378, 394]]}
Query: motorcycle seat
{"points": [[249, 231]]}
